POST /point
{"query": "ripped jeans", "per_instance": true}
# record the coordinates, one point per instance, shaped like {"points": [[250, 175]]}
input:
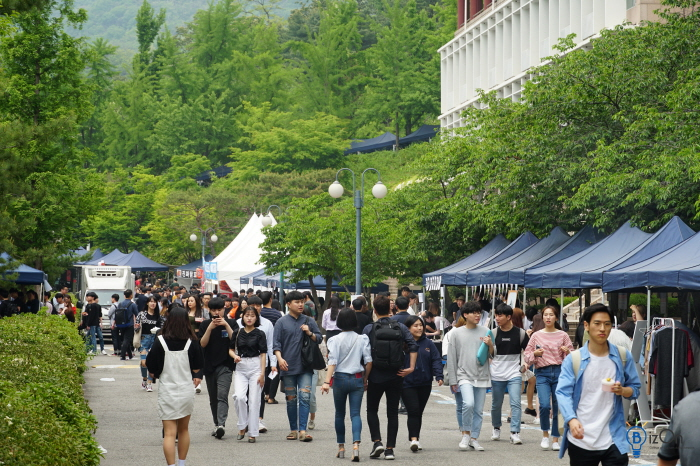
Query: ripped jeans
{"points": [[297, 384]]}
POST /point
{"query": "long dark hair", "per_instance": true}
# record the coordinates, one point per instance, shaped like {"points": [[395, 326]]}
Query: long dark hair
{"points": [[155, 309], [178, 327], [335, 308], [198, 305], [412, 320]]}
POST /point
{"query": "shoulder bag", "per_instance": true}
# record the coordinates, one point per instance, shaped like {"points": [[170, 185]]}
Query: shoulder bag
{"points": [[311, 356]]}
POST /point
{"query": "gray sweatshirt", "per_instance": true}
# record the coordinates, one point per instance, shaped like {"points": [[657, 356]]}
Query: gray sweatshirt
{"points": [[462, 365]]}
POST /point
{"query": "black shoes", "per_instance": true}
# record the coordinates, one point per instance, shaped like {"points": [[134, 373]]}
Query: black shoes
{"points": [[531, 412], [389, 454], [377, 450]]}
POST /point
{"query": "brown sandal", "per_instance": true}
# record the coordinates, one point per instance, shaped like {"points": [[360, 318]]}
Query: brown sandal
{"points": [[292, 436], [305, 437]]}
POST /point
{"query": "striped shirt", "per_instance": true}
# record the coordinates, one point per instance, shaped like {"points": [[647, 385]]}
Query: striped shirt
{"points": [[551, 342]]}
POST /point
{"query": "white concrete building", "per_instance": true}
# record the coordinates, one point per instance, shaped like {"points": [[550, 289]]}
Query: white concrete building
{"points": [[497, 42]]}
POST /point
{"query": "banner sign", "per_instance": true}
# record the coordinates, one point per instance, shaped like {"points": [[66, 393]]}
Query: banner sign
{"points": [[186, 273], [211, 271], [433, 283]]}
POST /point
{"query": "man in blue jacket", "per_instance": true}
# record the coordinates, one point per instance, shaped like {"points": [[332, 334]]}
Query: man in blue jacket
{"points": [[592, 382]]}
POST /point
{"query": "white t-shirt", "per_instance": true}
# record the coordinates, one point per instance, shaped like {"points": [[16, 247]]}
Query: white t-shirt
{"points": [[595, 407]]}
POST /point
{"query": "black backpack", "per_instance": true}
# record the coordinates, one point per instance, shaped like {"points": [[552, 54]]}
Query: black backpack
{"points": [[122, 316], [387, 342], [8, 309]]}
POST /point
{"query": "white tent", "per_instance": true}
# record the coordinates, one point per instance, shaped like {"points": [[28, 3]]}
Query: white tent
{"points": [[242, 255]]}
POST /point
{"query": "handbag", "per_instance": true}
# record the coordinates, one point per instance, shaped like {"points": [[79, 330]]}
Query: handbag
{"points": [[137, 338], [311, 356], [483, 354]]}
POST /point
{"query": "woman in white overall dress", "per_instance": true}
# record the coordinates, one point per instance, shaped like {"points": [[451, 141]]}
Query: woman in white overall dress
{"points": [[175, 355]]}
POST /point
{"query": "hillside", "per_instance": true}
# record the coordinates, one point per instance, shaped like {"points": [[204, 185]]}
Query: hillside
{"points": [[115, 21]]}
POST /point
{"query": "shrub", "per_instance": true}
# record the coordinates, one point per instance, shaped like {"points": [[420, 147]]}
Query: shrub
{"points": [[44, 418]]}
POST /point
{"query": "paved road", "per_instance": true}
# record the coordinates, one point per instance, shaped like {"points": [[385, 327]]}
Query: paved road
{"points": [[130, 431]]}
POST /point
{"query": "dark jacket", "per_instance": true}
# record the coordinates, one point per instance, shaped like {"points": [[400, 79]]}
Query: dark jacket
{"points": [[428, 365], [402, 316], [273, 315]]}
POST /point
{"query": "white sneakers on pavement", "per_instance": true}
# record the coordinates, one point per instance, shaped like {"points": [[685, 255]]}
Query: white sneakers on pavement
{"points": [[415, 446], [496, 434], [464, 444], [555, 446], [515, 438], [143, 385], [544, 444], [149, 387], [198, 389], [474, 444]]}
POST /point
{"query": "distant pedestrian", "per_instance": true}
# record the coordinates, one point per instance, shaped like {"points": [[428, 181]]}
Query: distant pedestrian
{"points": [[125, 318], [149, 319], [349, 366], [93, 316], [330, 318], [173, 360]]}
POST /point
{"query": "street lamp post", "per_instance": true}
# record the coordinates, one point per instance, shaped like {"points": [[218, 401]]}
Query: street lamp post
{"points": [[267, 221], [379, 190], [204, 233]]}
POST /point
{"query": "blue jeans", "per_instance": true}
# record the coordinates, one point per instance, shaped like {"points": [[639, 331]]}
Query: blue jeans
{"points": [[146, 345], [498, 389], [470, 408], [100, 338], [312, 397], [92, 341], [547, 378], [347, 387], [298, 386]]}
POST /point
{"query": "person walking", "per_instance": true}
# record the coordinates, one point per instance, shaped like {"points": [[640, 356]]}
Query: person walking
{"points": [[289, 336], [125, 319], [418, 384], [387, 339], [329, 321], [173, 360], [150, 321], [196, 316], [596, 432], [93, 315], [270, 314], [547, 349], [467, 376], [349, 366], [215, 336], [506, 372], [248, 348]]}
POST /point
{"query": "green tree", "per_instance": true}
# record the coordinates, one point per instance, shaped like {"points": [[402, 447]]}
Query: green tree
{"points": [[100, 75], [148, 24]]}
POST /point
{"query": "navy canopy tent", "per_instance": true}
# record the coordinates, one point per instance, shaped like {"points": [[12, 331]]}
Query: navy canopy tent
{"points": [[449, 275], [247, 278], [25, 275], [675, 268], [384, 142], [108, 259], [423, 134], [577, 243], [137, 261], [499, 272], [627, 246], [196, 264], [320, 285]]}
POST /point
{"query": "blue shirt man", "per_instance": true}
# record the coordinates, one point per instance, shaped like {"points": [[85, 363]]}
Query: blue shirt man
{"points": [[592, 411]]}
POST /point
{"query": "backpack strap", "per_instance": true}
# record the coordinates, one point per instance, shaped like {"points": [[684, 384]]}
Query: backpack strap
{"points": [[162, 342]]}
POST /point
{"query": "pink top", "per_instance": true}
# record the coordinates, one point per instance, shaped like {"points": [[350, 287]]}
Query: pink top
{"points": [[551, 342]]}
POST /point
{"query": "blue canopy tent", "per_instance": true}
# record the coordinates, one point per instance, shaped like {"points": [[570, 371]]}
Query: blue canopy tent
{"points": [[673, 269], [449, 275], [384, 142], [520, 243], [627, 246], [498, 272], [423, 134], [196, 264], [108, 259], [247, 278], [138, 263], [577, 243], [25, 275], [320, 285]]}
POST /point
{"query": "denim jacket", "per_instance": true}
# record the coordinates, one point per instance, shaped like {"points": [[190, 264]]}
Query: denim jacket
{"points": [[569, 393]]}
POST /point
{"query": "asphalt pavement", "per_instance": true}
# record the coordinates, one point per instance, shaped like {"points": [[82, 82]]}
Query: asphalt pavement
{"points": [[130, 430]]}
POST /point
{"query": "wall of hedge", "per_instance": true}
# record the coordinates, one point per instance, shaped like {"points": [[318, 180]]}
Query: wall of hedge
{"points": [[44, 417]]}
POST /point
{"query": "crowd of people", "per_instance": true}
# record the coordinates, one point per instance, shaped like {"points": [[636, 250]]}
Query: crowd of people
{"points": [[244, 346]]}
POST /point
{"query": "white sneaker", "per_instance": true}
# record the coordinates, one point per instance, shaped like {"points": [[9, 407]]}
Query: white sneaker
{"points": [[536, 421], [474, 443], [496, 435], [261, 427], [414, 445], [149, 387], [143, 384], [420, 447], [198, 389], [544, 444], [555, 446], [464, 444], [104, 352], [311, 425], [515, 438]]}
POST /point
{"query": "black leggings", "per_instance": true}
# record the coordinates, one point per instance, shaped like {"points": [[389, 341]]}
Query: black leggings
{"points": [[127, 336], [415, 399]]}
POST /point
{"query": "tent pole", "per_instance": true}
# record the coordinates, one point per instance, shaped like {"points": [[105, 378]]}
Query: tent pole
{"points": [[442, 298], [466, 297], [524, 299], [648, 303], [561, 311]]}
